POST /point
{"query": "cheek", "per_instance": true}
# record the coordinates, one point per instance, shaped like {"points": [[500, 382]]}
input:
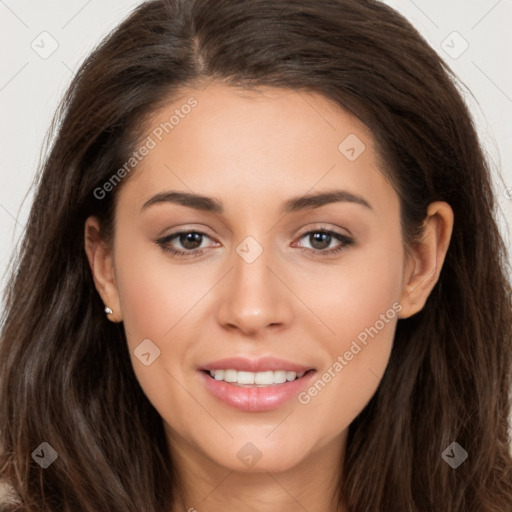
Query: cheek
{"points": [[157, 301], [358, 291], [361, 307], [155, 293]]}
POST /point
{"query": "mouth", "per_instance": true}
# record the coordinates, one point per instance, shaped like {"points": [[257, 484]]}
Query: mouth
{"points": [[255, 385], [261, 379]]}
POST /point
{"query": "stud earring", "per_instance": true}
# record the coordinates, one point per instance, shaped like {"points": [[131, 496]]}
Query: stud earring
{"points": [[108, 310]]}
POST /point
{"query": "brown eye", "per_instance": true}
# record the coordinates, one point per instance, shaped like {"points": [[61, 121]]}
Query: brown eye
{"points": [[190, 240], [321, 239], [183, 243]]}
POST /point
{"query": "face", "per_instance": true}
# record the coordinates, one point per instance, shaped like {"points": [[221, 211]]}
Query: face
{"points": [[293, 269]]}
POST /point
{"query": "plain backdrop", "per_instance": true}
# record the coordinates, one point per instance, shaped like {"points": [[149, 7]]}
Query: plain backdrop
{"points": [[44, 42]]}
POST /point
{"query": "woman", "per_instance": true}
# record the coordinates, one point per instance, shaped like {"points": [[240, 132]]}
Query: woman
{"points": [[261, 272]]}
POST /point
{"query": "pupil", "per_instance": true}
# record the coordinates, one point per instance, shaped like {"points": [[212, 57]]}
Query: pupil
{"points": [[319, 239], [190, 240]]}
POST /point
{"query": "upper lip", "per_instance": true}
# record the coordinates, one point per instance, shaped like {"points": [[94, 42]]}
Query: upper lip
{"points": [[255, 365]]}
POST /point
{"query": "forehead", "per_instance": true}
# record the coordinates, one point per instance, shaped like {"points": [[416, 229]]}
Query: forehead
{"points": [[255, 143]]}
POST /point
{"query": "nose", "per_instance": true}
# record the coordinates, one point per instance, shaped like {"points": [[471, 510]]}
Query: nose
{"points": [[254, 297]]}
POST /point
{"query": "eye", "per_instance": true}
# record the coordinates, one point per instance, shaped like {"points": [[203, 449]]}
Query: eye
{"points": [[190, 241], [321, 240]]}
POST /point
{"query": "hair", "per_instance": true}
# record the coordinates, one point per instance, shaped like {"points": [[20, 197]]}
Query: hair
{"points": [[66, 375]]}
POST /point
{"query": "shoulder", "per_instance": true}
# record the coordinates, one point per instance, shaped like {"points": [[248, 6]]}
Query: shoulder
{"points": [[7, 494]]}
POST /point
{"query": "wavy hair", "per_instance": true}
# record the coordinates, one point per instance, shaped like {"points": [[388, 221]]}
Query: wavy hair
{"points": [[66, 375]]}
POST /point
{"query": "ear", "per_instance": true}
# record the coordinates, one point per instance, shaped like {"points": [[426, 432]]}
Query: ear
{"points": [[101, 262], [425, 260]]}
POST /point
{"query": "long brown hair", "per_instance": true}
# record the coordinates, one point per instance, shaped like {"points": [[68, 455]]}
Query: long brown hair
{"points": [[66, 376]]}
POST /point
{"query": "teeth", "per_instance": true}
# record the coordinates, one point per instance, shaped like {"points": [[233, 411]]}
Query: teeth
{"points": [[264, 378], [229, 375], [245, 378], [280, 376], [290, 376], [267, 378]]}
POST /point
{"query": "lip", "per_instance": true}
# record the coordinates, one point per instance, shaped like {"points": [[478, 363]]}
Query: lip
{"points": [[262, 364], [255, 399]]}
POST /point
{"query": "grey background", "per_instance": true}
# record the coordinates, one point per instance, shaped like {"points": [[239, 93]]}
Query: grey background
{"points": [[44, 42]]}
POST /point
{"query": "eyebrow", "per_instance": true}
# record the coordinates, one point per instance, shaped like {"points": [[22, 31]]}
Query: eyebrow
{"points": [[305, 202]]}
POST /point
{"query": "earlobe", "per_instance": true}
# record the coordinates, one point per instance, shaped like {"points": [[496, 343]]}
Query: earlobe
{"points": [[425, 260], [101, 263]]}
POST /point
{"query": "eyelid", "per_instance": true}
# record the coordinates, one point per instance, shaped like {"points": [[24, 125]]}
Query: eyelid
{"points": [[324, 227], [323, 254], [303, 231], [175, 234], [344, 241]]}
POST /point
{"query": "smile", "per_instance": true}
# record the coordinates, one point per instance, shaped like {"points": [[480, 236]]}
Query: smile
{"points": [[255, 385], [263, 379]]}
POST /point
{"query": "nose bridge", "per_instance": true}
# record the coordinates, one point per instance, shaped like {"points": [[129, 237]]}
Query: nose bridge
{"points": [[252, 297]]}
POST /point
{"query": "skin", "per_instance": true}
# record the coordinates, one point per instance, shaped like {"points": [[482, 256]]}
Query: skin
{"points": [[253, 150]]}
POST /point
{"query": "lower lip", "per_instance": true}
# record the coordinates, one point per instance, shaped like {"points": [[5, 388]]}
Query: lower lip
{"points": [[256, 399]]}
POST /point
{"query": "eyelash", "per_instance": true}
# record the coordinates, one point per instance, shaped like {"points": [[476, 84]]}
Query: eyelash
{"points": [[194, 253]]}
